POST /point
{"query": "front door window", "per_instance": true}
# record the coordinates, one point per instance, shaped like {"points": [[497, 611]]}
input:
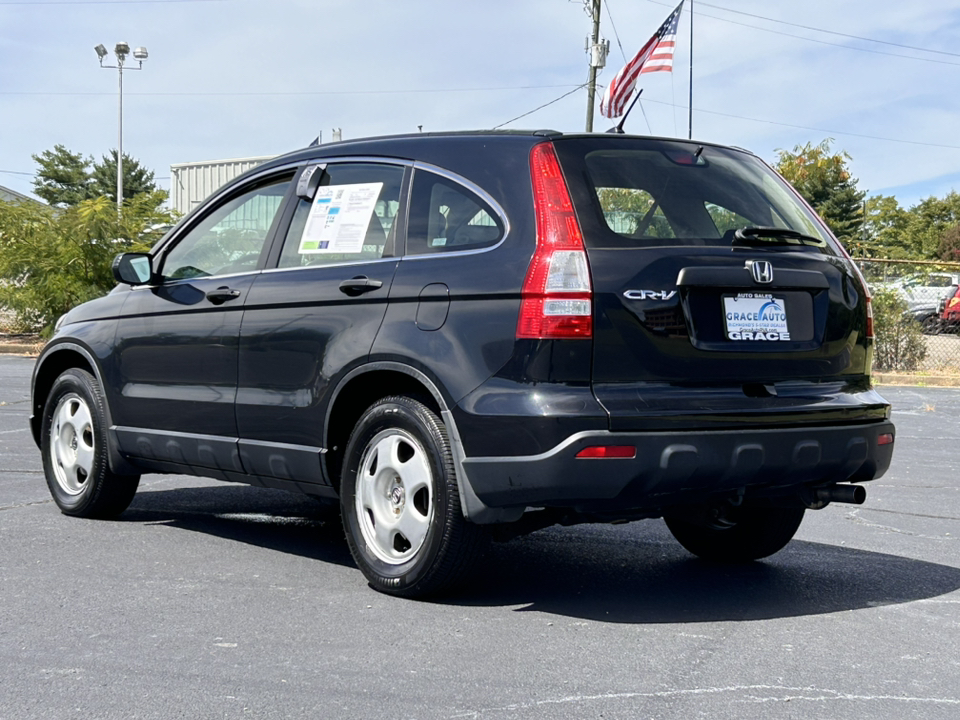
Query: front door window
{"points": [[231, 238]]}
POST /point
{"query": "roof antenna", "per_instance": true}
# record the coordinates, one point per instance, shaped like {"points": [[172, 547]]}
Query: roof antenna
{"points": [[618, 128]]}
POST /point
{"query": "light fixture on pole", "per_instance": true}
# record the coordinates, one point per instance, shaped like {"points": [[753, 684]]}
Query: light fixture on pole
{"points": [[121, 51]]}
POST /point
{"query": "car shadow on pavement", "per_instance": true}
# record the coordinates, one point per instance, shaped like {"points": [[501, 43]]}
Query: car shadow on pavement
{"points": [[276, 520], [639, 574], [634, 573]]}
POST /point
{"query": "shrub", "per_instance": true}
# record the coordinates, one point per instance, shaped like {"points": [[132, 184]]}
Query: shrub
{"points": [[899, 343], [53, 259]]}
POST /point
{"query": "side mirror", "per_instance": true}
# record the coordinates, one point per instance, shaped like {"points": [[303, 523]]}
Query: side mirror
{"points": [[132, 268]]}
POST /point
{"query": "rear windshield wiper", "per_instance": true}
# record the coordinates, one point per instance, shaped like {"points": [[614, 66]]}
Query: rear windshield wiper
{"points": [[756, 236]]}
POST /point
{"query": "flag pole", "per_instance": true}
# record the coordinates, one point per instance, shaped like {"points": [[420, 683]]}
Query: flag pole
{"points": [[690, 104]]}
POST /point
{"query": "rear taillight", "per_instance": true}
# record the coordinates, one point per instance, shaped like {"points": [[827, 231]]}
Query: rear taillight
{"points": [[863, 284], [557, 297]]}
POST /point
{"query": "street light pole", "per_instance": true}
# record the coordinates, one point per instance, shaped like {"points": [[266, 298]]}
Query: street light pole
{"points": [[121, 51], [120, 136]]}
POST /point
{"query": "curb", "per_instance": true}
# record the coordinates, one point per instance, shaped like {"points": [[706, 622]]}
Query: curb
{"points": [[18, 349], [916, 380]]}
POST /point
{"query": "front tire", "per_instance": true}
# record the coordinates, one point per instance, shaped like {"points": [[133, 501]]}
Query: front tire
{"points": [[748, 533], [74, 448], [400, 502]]}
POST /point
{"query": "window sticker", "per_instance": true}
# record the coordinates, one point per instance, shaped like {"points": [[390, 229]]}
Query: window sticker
{"points": [[339, 217]]}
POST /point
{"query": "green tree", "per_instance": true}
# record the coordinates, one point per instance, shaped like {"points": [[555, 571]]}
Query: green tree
{"points": [[629, 211], [66, 178], [885, 230], [929, 220], [53, 259], [136, 178], [824, 180], [63, 177], [949, 248]]}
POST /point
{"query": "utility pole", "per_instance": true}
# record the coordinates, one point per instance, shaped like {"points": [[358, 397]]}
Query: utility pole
{"points": [[597, 50]]}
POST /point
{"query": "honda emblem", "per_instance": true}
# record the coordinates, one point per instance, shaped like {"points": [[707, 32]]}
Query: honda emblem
{"points": [[762, 271]]}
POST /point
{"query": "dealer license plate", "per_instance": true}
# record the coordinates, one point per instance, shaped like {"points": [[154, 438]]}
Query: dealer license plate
{"points": [[755, 316]]}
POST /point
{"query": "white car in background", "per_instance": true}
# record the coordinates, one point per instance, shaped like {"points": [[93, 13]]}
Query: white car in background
{"points": [[926, 290]]}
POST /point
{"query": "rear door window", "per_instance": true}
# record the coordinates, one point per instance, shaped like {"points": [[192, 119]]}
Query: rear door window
{"points": [[446, 216]]}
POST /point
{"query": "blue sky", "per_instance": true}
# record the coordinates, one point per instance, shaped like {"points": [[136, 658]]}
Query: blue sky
{"points": [[241, 78]]}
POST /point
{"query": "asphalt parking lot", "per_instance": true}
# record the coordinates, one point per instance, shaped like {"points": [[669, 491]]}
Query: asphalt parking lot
{"points": [[213, 600]]}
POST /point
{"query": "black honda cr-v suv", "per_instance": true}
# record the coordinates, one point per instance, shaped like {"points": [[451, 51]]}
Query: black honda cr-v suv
{"points": [[473, 334]]}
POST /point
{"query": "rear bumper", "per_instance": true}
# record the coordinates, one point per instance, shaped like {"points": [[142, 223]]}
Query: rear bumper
{"points": [[681, 466]]}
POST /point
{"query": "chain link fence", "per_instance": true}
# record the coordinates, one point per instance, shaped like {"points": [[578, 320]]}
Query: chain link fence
{"points": [[916, 307]]}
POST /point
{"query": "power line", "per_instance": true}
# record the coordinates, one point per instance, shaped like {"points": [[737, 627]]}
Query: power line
{"points": [[620, 45], [814, 40], [103, 2], [615, 33], [283, 94], [579, 87], [830, 32], [33, 174], [805, 127]]}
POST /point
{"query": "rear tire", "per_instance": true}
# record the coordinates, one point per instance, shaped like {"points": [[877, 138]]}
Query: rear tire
{"points": [[74, 448], [930, 325], [400, 502], [756, 532]]}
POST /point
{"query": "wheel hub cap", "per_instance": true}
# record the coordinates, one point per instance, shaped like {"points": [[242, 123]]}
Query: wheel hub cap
{"points": [[72, 448], [394, 496]]}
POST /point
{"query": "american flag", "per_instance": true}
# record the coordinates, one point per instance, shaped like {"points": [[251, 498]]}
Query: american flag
{"points": [[655, 56]]}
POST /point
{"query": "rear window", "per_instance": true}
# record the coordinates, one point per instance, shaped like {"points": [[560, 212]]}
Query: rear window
{"points": [[651, 192]]}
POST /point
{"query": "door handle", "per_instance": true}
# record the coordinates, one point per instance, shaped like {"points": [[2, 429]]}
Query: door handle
{"points": [[359, 285], [222, 294]]}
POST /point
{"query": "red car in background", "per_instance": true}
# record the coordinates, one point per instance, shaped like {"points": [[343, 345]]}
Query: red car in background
{"points": [[949, 310]]}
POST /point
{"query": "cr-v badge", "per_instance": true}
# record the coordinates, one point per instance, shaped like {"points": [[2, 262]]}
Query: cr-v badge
{"points": [[649, 294]]}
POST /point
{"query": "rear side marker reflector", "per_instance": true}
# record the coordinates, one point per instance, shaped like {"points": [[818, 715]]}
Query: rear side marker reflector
{"points": [[885, 439], [608, 451]]}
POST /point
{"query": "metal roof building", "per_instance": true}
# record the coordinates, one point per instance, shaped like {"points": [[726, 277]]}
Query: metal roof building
{"points": [[193, 182], [8, 195]]}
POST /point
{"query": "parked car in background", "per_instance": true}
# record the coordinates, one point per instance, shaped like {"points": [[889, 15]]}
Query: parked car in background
{"points": [[949, 311], [927, 290], [927, 317], [464, 335]]}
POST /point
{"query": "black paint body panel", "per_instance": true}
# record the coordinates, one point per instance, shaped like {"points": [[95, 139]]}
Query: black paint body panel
{"points": [[251, 389]]}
